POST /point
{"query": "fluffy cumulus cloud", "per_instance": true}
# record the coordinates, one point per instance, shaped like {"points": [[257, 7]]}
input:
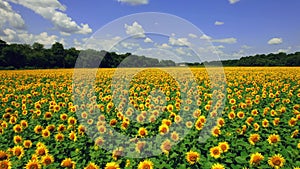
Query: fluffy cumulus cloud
{"points": [[287, 50], [135, 30], [179, 42], [275, 41], [148, 40], [101, 44], [23, 37], [218, 23], [225, 40], [134, 2], [53, 10], [192, 35], [205, 37], [233, 1], [9, 16]]}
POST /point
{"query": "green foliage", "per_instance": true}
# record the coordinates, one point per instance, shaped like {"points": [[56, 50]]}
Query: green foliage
{"points": [[23, 56]]}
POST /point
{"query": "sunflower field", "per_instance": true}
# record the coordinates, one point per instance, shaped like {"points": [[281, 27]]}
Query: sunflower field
{"points": [[250, 121]]}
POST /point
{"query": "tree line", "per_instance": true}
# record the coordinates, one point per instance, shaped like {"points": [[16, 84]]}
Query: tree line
{"points": [[279, 59], [36, 56]]}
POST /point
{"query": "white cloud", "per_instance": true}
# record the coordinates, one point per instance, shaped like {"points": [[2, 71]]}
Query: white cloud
{"points": [[287, 50], [162, 46], [179, 42], [101, 44], [233, 1], [205, 37], [11, 36], [135, 30], [148, 40], [134, 2], [192, 35], [218, 23], [9, 16], [128, 45], [246, 47], [275, 41], [53, 10], [226, 40]]}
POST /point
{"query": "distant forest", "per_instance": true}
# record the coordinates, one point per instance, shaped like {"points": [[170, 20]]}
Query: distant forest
{"points": [[24, 56], [279, 59], [36, 56]]}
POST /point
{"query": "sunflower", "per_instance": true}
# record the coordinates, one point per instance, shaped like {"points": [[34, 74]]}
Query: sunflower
{"points": [[72, 136], [38, 129], [232, 101], [224, 146], [167, 122], [47, 115], [41, 150], [221, 122], [59, 137], [113, 122], [112, 165], [240, 115], [68, 163], [56, 108], [254, 138], [276, 161], [99, 141], [61, 128], [274, 138], [139, 146], [27, 144], [72, 121], [256, 158], [256, 126], [292, 121], [5, 164], [47, 160], [1, 130], [192, 157], [254, 112], [17, 128], [117, 153], [124, 125], [199, 125], [202, 119], [18, 151], [276, 121], [17, 139], [177, 119], [3, 155], [163, 129], [91, 165], [189, 124], [216, 131], [166, 146], [265, 123], [45, 133], [142, 132], [127, 163], [174, 136], [24, 123], [231, 115], [215, 152], [295, 133], [217, 166], [249, 120], [146, 164], [63, 117]]}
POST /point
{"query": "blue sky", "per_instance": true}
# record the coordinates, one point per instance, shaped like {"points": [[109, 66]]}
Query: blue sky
{"points": [[235, 27]]}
